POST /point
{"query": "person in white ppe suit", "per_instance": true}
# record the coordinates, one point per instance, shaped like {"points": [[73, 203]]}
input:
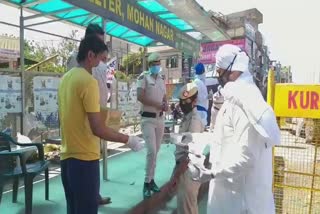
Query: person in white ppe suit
{"points": [[245, 132], [187, 189], [203, 96]]}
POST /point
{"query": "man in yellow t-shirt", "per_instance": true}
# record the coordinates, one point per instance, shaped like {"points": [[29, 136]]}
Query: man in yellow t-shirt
{"points": [[99, 73], [81, 128]]}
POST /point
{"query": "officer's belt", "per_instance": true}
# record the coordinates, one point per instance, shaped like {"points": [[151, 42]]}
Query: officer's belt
{"points": [[151, 114]]}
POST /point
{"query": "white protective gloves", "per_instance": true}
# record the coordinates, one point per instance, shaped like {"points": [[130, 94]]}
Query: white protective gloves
{"points": [[196, 170], [135, 143]]}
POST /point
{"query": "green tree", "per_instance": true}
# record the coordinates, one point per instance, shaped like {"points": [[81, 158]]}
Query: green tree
{"points": [[66, 47], [38, 52], [134, 62]]}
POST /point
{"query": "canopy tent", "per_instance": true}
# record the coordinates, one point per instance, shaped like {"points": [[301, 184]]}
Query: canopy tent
{"points": [[200, 19], [144, 22]]}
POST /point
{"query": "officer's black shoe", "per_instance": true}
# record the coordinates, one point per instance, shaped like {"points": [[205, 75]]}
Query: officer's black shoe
{"points": [[154, 187], [146, 190]]}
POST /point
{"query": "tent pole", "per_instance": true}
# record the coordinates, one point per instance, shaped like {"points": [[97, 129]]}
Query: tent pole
{"points": [[105, 143], [23, 100]]}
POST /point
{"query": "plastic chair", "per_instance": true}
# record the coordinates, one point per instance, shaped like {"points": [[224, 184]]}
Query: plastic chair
{"points": [[10, 168]]}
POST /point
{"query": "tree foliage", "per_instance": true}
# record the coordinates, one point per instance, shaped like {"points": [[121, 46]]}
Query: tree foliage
{"points": [[39, 52], [134, 62]]}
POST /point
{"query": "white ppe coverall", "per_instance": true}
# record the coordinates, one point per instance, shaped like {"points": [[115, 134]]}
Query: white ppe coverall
{"points": [[241, 156]]}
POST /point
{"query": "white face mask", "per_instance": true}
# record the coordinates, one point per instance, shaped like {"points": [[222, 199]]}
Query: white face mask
{"points": [[102, 66]]}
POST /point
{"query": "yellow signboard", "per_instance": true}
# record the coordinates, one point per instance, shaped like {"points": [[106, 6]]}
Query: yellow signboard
{"points": [[293, 100]]}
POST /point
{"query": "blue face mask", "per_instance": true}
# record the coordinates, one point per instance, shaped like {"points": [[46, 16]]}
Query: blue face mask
{"points": [[155, 69]]}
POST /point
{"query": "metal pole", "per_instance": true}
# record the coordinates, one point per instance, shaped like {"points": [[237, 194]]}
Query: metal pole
{"points": [[111, 46], [105, 143], [39, 31], [270, 88], [313, 176], [127, 66], [270, 101], [23, 100], [144, 59]]}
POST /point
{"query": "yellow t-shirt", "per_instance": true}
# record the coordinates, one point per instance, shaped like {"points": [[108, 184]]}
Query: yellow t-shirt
{"points": [[78, 94]]}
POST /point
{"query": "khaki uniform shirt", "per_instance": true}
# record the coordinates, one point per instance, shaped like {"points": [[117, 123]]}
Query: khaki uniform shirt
{"points": [[155, 90], [190, 123]]}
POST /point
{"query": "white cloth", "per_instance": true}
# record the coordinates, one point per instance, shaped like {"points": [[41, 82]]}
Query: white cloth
{"points": [[241, 155], [202, 99], [23, 139]]}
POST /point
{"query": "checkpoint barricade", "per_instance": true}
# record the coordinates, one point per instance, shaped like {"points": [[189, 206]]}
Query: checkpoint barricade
{"points": [[296, 162]]}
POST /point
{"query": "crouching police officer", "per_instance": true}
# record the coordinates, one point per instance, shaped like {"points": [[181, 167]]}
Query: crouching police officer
{"points": [[187, 189]]}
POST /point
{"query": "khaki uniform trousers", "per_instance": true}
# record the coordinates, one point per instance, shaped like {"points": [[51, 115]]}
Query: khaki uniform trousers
{"points": [[187, 195], [152, 130]]}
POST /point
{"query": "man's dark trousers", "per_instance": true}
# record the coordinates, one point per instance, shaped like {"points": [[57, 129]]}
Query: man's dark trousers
{"points": [[81, 182]]}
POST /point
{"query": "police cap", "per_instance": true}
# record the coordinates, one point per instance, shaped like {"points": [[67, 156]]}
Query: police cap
{"points": [[189, 90], [154, 57]]}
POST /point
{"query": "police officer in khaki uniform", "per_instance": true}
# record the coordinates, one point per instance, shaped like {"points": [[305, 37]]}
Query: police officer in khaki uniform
{"points": [[187, 189], [151, 91]]}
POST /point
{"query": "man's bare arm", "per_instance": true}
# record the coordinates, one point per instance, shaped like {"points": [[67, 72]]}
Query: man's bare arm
{"points": [[100, 130]]}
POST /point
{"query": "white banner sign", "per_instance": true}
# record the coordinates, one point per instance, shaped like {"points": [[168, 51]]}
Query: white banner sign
{"points": [[111, 69]]}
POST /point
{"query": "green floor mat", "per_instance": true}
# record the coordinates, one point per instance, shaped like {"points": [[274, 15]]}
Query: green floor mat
{"points": [[126, 177]]}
